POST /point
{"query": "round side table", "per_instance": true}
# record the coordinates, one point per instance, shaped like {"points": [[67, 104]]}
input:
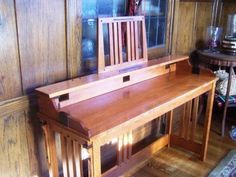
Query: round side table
{"points": [[207, 57]]}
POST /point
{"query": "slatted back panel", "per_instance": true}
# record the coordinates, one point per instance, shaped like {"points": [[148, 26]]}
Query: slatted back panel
{"points": [[127, 43], [64, 151]]}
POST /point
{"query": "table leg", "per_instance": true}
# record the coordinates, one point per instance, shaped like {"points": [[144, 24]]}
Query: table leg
{"points": [[207, 122], [226, 101]]}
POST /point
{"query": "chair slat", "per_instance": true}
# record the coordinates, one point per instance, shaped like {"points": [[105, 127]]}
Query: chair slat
{"points": [[144, 40], [128, 41], [123, 32], [111, 46], [101, 63], [115, 32], [136, 40], [132, 40], [120, 43]]}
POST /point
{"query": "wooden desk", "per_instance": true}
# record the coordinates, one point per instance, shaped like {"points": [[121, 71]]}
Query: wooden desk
{"points": [[94, 119], [220, 60]]}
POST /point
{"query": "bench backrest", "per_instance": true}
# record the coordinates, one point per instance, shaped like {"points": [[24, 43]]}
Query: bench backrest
{"points": [[125, 44]]}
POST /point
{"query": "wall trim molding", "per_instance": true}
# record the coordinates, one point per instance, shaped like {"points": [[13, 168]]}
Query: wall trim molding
{"points": [[17, 104]]}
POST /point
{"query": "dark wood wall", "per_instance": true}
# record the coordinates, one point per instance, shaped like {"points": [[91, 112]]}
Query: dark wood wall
{"points": [[40, 44], [191, 20]]}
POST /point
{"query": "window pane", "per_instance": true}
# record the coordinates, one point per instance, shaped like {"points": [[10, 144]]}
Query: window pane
{"points": [[153, 31], [89, 9], [161, 31], [105, 7]]}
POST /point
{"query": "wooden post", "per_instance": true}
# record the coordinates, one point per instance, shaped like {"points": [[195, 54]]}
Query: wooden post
{"points": [[207, 123], [170, 118]]}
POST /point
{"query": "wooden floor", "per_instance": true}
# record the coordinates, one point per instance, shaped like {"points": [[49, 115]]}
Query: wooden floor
{"points": [[175, 162]]}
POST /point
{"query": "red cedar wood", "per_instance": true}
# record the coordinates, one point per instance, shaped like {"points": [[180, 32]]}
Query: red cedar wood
{"points": [[132, 40], [188, 82], [64, 156], [194, 117], [136, 40], [110, 29], [128, 50], [188, 119], [120, 43], [115, 43], [55, 90]]}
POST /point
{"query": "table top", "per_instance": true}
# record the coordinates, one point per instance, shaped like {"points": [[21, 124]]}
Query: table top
{"points": [[109, 110], [216, 58]]}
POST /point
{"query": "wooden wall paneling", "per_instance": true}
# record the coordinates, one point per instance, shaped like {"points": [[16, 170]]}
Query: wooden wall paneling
{"points": [[14, 157], [19, 139], [34, 137], [74, 37], [175, 27], [203, 20], [10, 77], [42, 42], [183, 41]]}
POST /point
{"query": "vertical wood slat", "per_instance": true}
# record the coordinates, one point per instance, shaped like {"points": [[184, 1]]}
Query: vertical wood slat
{"points": [[128, 41], [120, 150], [132, 40], [144, 40], [45, 36], [182, 126], [70, 157], [77, 159], [111, 46], [170, 121], [74, 37], [64, 156], [96, 152], [120, 43], [207, 122], [125, 148], [101, 59], [115, 32], [130, 140], [136, 40], [187, 119], [51, 149], [10, 84], [194, 117]]}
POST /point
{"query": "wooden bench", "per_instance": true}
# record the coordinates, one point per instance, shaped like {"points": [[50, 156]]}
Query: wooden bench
{"points": [[101, 109]]}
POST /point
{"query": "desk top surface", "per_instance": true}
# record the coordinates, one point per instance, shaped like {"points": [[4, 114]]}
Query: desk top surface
{"points": [[111, 109]]}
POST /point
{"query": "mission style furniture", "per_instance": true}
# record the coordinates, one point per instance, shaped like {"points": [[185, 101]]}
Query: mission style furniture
{"points": [[84, 118], [206, 57]]}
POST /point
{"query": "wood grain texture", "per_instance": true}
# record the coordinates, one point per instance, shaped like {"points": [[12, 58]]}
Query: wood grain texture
{"points": [[184, 42], [203, 20], [191, 19], [10, 76], [174, 162], [74, 37], [14, 154], [42, 42]]}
